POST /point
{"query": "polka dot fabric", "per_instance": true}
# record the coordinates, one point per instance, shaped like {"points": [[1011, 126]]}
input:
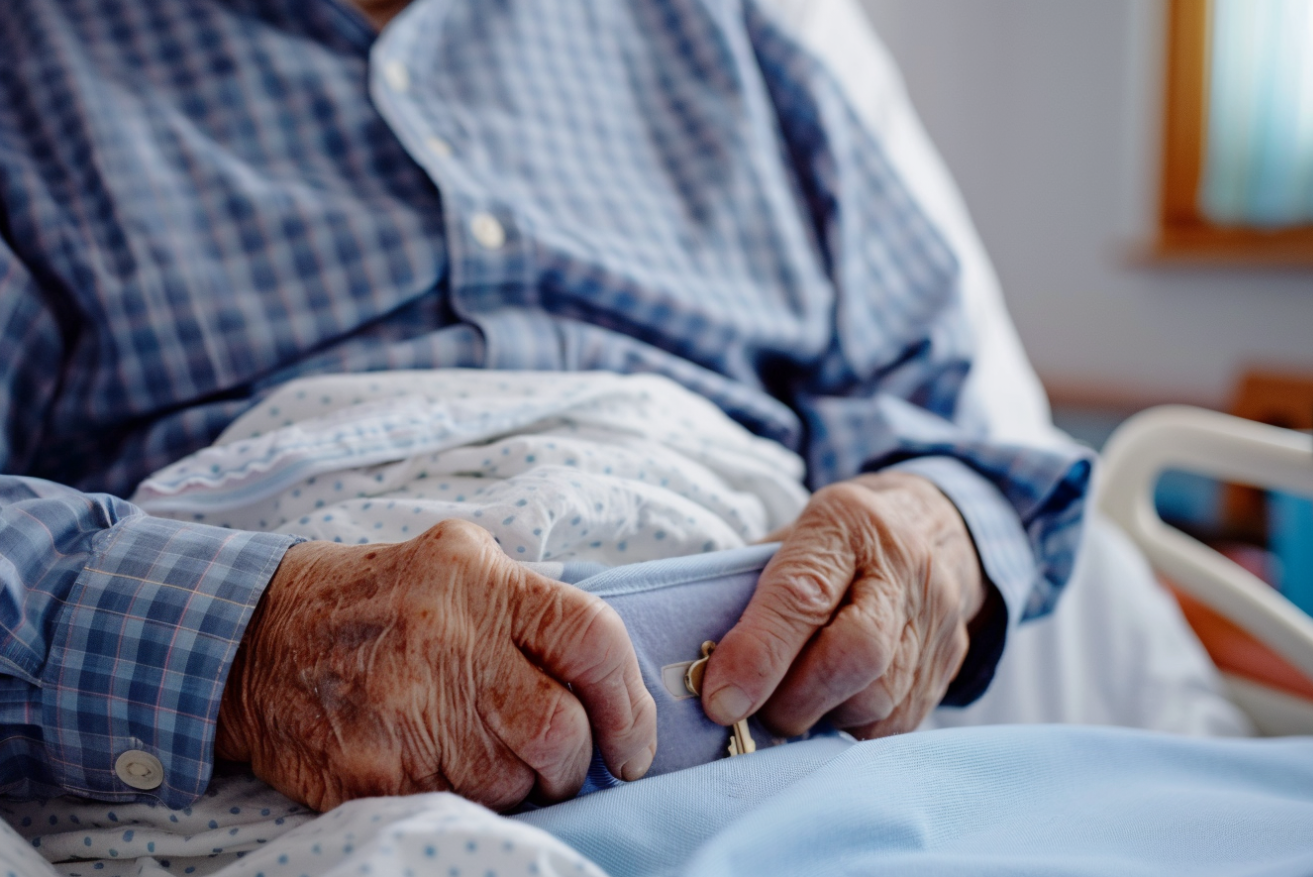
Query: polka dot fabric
{"points": [[237, 815], [241, 828], [558, 467]]}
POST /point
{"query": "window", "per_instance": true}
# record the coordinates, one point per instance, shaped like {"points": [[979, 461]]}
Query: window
{"points": [[1237, 180]]}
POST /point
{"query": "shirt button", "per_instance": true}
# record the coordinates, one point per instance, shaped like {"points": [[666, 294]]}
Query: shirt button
{"points": [[488, 231], [397, 76], [438, 146], [141, 770]]}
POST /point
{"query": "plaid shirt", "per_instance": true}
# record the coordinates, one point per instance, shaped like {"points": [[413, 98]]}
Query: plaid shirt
{"points": [[200, 199]]}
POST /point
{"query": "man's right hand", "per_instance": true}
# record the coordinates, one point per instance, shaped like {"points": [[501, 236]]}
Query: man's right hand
{"points": [[436, 664]]}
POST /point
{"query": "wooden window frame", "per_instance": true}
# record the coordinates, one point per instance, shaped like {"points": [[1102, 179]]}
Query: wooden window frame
{"points": [[1184, 233]]}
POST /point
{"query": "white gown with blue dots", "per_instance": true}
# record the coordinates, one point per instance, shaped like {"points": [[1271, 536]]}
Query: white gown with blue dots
{"points": [[557, 466], [242, 828]]}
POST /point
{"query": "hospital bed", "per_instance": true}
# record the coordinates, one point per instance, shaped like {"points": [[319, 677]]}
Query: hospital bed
{"points": [[1081, 666]]}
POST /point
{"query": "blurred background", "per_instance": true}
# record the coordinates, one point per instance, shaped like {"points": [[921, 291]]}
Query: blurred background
{"points": [[1141, 172]]}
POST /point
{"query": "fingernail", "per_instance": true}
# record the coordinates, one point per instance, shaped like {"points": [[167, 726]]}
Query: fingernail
{"points": [[638, 767], [729, 704]]}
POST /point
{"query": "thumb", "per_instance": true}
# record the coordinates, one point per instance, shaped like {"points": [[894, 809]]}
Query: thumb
{"points": [[796, 595], [581, 641]]}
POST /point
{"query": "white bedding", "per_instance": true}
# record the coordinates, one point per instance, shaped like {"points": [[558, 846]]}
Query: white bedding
{"points": [[242, 827], [557, 466]]}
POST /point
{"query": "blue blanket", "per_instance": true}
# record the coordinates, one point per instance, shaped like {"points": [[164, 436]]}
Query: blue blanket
{"points": [[1015, 800]]}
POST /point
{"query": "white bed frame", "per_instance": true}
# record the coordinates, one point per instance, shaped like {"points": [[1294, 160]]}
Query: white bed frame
{"points": [[1231, 449]]}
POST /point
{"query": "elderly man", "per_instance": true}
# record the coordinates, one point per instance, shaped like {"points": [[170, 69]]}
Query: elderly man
{"points": [[203, 199]]}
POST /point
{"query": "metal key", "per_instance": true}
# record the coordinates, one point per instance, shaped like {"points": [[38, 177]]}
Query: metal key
{"points": [[740, 738], [693, 675]]}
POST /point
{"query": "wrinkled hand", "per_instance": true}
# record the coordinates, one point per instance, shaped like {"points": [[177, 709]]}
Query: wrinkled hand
{"points": [[861, 616], [436, 664]]}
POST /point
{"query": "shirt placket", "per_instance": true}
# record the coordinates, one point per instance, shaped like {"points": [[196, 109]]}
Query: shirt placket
{"points": [[489, 247]]}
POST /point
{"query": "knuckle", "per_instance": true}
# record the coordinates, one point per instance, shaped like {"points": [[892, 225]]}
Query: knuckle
{"points": [[877, 635], [806, 594], [950, 657], [600, 631], [456, 534], [842, 493], [862, 714], [509, 787], [961, 645], [562, 726], [877, 657], [847, 662]]}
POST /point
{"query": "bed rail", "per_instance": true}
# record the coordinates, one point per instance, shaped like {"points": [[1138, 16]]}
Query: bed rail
{"points": [[1229, 448]]}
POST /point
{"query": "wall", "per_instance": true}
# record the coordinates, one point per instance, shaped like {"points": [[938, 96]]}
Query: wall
{"points": [[1046, 111]]}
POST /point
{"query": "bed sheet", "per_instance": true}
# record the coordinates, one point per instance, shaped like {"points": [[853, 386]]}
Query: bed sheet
{"points": [[1016, 800]]}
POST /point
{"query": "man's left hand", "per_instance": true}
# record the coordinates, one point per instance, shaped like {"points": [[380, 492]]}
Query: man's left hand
{"points": [[861, 616]]}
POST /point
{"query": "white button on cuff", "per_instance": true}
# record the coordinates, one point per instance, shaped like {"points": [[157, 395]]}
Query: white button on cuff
{"points": [[141, 770], [396, 75], [438, 146], [487, 231]]}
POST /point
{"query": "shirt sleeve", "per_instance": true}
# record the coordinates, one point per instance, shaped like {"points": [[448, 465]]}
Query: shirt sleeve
{"points": [[118, 628]]}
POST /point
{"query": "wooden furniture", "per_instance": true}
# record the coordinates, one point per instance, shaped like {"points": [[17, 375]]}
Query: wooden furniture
{"points": [[1184, 233], [1282, 399]]}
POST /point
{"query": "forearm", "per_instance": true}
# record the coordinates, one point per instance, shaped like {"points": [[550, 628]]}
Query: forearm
{"points": [[119, 632]]}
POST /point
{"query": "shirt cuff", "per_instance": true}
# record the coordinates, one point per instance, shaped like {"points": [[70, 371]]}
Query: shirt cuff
{"points": [[1005, 556], [141, 652]]}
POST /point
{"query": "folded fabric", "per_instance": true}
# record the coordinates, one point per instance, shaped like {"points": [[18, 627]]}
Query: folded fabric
{"points": [[669, 607]]}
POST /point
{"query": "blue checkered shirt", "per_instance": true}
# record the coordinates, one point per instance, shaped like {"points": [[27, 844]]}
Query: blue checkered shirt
{"points": [[200, 199]]}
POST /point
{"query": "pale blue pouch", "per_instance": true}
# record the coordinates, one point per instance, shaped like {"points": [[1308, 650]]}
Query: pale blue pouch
{"points": [[670, 607]]}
